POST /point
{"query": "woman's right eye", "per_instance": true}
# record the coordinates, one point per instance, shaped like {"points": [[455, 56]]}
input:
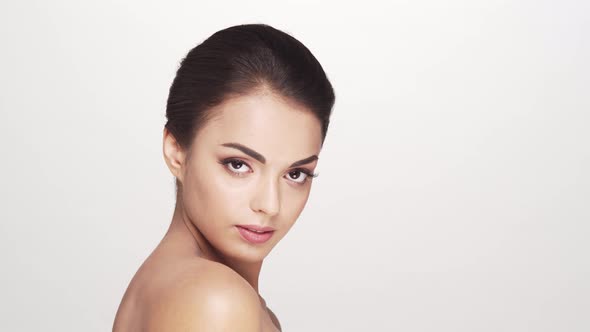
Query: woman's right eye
{"points": [[236, 166]]}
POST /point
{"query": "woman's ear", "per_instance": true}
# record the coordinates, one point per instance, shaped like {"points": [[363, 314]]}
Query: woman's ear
{"points": [[174, 155]]}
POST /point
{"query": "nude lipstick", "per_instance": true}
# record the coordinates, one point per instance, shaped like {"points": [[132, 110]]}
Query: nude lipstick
{"points": [[255, 234]]}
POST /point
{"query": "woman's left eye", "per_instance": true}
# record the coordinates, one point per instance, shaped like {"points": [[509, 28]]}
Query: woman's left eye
{"points": [[298, 176]]}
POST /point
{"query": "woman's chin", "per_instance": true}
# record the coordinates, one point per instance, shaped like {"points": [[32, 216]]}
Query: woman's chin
{"points": [[249, 253]]}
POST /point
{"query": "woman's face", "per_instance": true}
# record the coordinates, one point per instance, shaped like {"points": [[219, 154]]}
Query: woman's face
{"points": [[251, 164]]}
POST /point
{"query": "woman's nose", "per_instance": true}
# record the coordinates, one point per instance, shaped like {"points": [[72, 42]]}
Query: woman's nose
{"points": [[266, 198]]}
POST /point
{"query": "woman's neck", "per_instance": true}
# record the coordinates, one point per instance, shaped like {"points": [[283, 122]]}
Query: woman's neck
{"points": [[191, 238]]}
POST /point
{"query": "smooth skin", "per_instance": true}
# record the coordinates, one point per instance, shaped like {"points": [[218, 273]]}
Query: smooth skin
{"points": [[203, 276]]}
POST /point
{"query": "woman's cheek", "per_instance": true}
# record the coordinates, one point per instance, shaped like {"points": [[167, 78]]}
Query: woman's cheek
{"points": [[293, 204]]}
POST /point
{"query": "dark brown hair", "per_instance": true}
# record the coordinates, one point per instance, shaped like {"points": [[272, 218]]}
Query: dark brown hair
{"points": [[237, 61]]}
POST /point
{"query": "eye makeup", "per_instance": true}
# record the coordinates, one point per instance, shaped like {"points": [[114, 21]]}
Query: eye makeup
{"points": [[236, 163]]}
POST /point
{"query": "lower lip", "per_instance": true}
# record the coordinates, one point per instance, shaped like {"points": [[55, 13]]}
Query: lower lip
{"points": [[254, 237]]}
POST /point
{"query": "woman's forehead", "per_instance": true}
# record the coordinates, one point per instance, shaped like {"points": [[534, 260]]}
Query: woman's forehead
{"points": [[264, 122]]}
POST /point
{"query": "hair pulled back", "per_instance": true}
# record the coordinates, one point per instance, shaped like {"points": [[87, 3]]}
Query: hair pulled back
{"points": [[237, 61]]}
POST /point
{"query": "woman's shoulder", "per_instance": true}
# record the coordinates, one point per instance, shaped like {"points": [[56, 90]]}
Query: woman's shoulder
{"points": [[208, 295], [274, 319]]}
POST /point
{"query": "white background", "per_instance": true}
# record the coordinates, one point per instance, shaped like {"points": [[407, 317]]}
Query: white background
{"points": [[453, 194]]}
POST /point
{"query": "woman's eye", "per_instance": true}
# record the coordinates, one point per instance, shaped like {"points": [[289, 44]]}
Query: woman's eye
{"points": [[237, 166], [297, 176]]}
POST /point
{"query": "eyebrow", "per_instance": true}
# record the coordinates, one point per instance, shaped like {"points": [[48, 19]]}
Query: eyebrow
{"points": [[261, 158]]}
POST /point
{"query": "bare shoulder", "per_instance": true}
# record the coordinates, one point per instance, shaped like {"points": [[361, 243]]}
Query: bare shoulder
{"points": [[274, 319], [209, 297]]}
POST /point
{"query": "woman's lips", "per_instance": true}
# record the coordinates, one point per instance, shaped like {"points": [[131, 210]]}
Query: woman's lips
{"points": [[248, 234]]}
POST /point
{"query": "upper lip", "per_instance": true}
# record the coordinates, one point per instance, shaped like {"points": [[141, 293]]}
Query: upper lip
{"points": [[257, 228]]}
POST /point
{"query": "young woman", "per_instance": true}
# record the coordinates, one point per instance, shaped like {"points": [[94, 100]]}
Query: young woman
{"points": [[247, 114]]}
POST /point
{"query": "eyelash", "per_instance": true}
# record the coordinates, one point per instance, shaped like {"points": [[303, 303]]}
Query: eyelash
{"points": [[307, 172]]}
